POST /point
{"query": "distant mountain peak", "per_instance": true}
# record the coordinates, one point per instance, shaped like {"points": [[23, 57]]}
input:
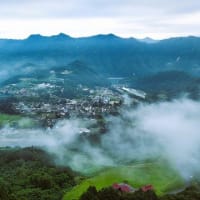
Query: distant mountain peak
{"points": [[62, 36], [148, 40], [39, 36], [111, 35], [106, 36], [35, 36]]}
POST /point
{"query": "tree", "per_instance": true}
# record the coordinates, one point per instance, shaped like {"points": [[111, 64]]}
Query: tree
{"points": [[90, 194]]}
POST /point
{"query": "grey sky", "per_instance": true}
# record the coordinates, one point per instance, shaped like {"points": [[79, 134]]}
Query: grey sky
{"points": [[137, 18]]}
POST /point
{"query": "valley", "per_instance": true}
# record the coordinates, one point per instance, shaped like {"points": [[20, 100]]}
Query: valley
{"points": [[91, 112]]}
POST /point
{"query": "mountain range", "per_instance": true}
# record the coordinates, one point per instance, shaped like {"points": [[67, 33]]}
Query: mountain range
{"points": [[102, 56]]}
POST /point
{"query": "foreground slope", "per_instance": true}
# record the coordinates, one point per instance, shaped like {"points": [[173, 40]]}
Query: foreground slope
{"points": [[160, 175]]}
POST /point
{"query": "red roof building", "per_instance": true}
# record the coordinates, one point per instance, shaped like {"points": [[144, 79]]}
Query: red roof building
{"points": [[147, 188], [123, 187]]}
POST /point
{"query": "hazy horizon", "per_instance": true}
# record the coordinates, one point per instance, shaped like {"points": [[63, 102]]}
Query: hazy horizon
{"points": [[130, 18], [87, 36]]}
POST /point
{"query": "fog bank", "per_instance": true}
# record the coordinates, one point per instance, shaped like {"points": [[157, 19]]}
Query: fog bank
{"points": [[169, 130]]}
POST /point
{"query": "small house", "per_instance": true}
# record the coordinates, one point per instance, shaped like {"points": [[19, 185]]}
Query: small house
{"points": [[123, 187], [147, 188]]}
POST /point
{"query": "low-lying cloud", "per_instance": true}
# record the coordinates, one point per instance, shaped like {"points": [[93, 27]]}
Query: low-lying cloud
{"points": [[169, 130]]}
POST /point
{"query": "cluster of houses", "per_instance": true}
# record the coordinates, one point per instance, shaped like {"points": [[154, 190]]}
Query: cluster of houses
{"points": [[123, 187], [31, 101]]}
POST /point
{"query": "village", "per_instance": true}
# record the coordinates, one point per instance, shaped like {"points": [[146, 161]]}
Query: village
{"points": [[51, 99], [47, 103]]}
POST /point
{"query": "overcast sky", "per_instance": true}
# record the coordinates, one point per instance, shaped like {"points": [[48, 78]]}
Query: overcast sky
{"points": [[126, 18]]}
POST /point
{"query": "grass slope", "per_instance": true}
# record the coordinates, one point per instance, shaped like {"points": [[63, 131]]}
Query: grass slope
{"points": [[160, 175]]}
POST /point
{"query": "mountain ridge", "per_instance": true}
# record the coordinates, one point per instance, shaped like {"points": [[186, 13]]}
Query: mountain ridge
{"points": [[99, 35], [107, 54]]}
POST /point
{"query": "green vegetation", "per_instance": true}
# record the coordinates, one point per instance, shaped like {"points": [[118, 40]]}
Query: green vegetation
{"points": [[190, 193], [164, 82], [30, 174], [16, 120], [8, 119], [159, 174], [111, 194]]}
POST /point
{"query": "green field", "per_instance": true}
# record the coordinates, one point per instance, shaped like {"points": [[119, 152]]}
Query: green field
{"points": [[8, 119], [159, 174], [15, 120]]}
